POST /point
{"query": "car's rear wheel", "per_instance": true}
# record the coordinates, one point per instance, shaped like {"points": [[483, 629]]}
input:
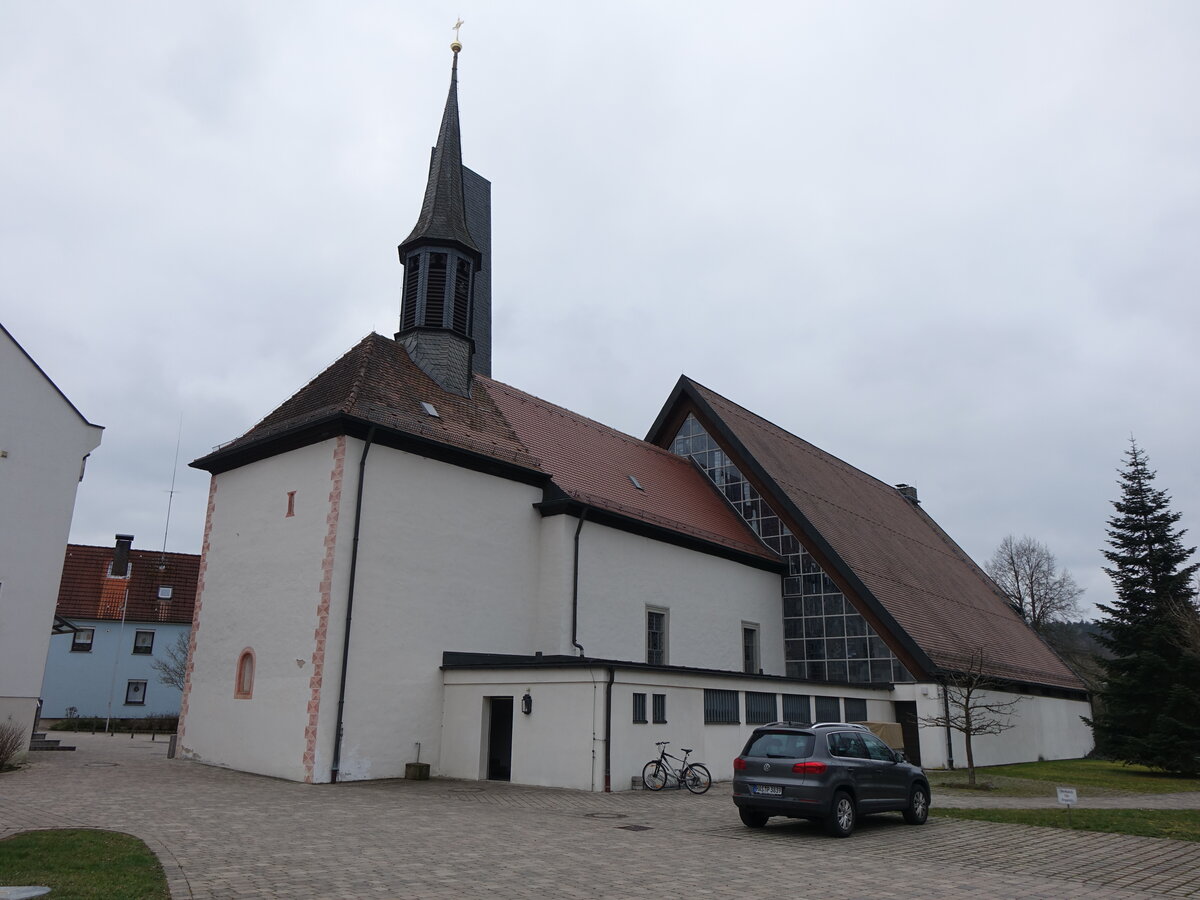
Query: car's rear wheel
{"points": [[752, 818], [654, 776], [840, 822], [917, 810]]}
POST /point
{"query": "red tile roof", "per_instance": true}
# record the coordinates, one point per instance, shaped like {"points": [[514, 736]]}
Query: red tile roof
{"points": [[376, 382], [87, 592], [912, 568], [592, 463]]}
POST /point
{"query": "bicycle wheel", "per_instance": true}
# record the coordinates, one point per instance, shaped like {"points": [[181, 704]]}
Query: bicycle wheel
{"points": [[654, 776], [696, 778]]}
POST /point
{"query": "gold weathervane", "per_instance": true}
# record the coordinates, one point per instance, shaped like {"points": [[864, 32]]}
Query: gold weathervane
{"points": [[456, 46]]}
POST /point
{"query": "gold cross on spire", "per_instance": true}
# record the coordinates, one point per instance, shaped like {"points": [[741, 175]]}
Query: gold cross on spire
{"points": [[457, 25], [456, 46]]}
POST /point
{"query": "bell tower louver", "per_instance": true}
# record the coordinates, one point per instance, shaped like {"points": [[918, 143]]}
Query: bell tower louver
{"points": [[445, 310]]}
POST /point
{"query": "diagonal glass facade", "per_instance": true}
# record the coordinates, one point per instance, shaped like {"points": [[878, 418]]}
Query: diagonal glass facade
{"points": [[825, 638]]}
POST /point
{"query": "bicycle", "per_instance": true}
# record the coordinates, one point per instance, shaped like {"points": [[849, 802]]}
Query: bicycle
{"points": [[658, 773]]}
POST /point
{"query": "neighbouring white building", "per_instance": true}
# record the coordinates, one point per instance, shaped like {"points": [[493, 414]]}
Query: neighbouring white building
{"points": [[44, 443], [410, 561], [127, 610]]}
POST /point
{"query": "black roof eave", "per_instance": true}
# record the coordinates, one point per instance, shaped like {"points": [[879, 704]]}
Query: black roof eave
{"points": [[335, 424], [558, 503]]}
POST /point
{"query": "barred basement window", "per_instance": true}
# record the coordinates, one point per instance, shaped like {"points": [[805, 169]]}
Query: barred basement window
{"points": [[829, 709], [660, 709], [435, 291], [721, 707], [796, 708], [760, 708], [639, 709], [856, 709]]}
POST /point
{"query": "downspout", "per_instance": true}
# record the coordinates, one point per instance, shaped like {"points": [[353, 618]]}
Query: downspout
{"points": [[575, 590], [612, 673], [337, 735], [949, 731]]}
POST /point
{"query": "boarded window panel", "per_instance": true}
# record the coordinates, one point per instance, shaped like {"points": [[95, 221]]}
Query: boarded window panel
{"points": [[462, 297], [760, 708], [435, 291], [721, 707], [412, 280]]}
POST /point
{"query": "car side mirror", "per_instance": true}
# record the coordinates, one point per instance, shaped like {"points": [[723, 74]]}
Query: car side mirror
{"points": [[899, 755]]}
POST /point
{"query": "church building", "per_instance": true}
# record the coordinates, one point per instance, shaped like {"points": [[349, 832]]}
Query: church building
{"points": [[411, 562]]}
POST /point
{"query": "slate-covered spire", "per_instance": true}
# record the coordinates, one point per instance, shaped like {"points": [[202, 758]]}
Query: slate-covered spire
{"points": [[445, 313], [443, 216]]}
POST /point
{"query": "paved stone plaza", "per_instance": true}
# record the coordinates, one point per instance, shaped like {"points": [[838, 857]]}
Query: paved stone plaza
{"points": [[223, 834]]}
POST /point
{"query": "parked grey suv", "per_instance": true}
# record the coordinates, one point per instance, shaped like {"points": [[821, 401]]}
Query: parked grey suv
{"points": [[833, 772]]}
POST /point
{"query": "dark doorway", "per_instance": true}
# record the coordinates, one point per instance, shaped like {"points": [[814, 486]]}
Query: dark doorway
{"points": [[906, 715], [499, 752]]}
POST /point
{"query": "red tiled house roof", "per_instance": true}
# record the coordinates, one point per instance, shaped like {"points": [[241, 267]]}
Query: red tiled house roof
{"points": [[578, 462], [86, 591], [906, 573]]}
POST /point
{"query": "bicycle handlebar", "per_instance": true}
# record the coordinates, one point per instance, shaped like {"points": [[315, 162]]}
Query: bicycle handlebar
{"points": [[661, 743]]}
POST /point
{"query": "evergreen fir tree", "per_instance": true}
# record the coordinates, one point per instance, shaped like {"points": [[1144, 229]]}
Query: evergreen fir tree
{"points": [[1150, 701]]}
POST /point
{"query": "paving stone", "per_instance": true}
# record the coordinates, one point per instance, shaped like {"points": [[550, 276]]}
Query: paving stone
{"points": [[223, 834]]}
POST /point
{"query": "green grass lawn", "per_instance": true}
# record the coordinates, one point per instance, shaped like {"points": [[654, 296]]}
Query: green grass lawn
{"points": [[81, 864], [1176, 824], [1089, 776]]}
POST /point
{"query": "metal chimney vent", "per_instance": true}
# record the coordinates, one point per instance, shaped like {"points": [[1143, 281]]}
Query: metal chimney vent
{"points": [[120, 560]]}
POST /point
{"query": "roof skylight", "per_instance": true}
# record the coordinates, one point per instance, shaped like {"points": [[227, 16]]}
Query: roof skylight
{"points": [[430, 409]]}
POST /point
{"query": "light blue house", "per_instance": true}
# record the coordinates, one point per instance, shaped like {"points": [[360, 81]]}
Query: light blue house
{"points": [[126, 610]]}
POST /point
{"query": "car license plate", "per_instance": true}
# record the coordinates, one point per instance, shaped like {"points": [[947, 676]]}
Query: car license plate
{"points": [[771, 789]]}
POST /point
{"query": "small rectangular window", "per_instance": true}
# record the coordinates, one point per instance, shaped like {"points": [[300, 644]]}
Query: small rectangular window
{"points": [[721, 707], [796, 708], [856, 709], [135, 693], [660, 708], [760, 708], [656, 637], [143, 642], [639, 709], [829, 709], [81, 640], [750, 662]]}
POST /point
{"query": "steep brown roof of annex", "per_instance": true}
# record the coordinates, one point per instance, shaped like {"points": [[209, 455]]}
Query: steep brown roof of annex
{"points": [[592, 464], [925, 581], [376, 381], [86, 591]]}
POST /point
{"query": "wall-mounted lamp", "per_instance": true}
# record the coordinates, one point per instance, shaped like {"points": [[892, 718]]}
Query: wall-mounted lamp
{"points": [[527, 703]]}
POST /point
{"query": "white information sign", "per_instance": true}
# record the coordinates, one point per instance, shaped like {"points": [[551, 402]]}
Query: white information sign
{"points": [[1067, 796]]}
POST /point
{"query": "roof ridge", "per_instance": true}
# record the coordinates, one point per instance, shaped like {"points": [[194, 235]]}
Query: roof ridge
{"points": [[588, 420], [764, 424], [360, 375]]}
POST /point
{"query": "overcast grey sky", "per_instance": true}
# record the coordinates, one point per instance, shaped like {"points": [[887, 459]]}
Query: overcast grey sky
{"points": [[955, 244]]}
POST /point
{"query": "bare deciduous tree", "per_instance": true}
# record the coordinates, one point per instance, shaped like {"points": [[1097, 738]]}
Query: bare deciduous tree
{"points": [[172, 669], [971, 707], [1027, 573]]}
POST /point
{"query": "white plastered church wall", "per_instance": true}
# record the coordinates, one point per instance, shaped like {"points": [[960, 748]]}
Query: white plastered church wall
{"points": [[262, 589]]}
